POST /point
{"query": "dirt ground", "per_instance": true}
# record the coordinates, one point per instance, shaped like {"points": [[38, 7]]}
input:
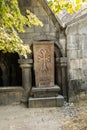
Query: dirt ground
{"points": [[72, 116]]}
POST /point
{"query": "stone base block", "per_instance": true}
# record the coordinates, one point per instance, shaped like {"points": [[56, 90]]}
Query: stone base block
{"points": [[9, 95], [46, 102], [45, 92]]}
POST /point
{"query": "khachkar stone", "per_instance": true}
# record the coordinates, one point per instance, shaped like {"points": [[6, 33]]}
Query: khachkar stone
{"points": [[44, 64], [45, 93]]}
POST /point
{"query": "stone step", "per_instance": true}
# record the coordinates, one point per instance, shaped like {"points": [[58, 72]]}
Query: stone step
{"points": [[46, 102], [45, 92]]}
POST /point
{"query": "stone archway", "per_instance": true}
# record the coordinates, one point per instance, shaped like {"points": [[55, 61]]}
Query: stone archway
{"points": [[61, 70], [48, 37]]}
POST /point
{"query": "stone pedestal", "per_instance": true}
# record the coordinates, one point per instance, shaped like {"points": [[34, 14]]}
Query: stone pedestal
{"points": [[46, 102], [26, 65], [46, 97]]}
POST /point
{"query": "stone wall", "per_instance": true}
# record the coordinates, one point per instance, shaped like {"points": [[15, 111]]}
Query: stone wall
{"points": [[51, 27], [52, 30], [10, 95], [77, 50], [37, 32]]}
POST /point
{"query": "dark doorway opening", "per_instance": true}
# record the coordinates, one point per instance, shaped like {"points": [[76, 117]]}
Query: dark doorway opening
{"points": [[10, 71], [1, 81]]}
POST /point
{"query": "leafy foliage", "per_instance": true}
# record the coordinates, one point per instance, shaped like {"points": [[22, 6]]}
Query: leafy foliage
{"points": [[70, 5], [12, 22]]}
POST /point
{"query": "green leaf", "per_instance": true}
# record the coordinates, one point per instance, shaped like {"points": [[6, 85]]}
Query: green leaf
{"points": [[78, 1], [50, 3]]}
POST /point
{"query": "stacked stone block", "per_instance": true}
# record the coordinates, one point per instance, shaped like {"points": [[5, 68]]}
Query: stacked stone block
{"points": [[37, 32], [77, 50]]}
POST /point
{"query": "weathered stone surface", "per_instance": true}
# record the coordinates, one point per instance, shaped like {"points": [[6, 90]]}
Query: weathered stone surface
{"points": [[48, 31], [40, 11], [9, 95], [26, 65], [45, 20], [45, 92], [85, 53], [85, 42], [35, 3], [29, 30], [46, 102], [84, 63], [77, 48], [72, 29], [79, 54], [74, 64], [44, 63], [85, 72], [83, 27], [72, 54]]}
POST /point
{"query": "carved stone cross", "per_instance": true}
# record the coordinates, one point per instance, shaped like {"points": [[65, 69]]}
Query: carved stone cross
{"points": [[44, 57], [44, 63]]}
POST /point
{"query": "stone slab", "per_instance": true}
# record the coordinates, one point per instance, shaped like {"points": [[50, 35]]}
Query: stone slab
{"points": [[45, 92], [46, 102], [44, 63], [9, 95]]}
